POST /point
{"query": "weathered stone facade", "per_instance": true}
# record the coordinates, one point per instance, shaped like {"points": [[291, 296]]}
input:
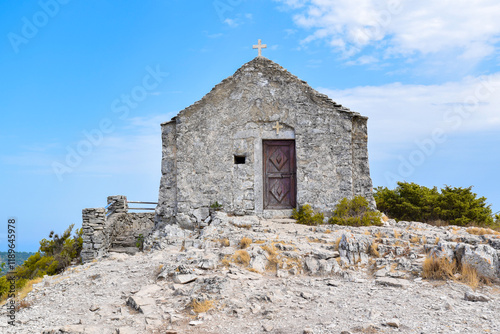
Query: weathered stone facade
{"points": [[203, 142]]}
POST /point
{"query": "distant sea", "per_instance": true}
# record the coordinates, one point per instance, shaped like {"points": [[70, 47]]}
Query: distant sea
{"points": [[20, 258]]}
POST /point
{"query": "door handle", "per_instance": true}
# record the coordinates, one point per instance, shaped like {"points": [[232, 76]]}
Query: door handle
{"points": [[286, 175]]}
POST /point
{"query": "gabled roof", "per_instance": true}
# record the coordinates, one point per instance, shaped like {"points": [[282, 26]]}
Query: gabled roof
{"points": [[273, 70]]}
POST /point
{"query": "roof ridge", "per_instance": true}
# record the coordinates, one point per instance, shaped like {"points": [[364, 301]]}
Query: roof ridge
{"points": [[261, 62]]}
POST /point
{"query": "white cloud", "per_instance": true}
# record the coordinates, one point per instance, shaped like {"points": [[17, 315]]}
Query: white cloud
{"points": [[403, 27], [401, 114], [232, 23], [238, 20], [363, 60]]}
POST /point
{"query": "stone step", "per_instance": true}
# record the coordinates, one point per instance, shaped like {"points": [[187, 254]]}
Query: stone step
{"points": [[125, 237], [127, 250], [128, 243]]}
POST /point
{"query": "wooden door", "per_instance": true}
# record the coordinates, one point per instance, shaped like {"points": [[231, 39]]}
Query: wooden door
{"points": [[279, 174]]}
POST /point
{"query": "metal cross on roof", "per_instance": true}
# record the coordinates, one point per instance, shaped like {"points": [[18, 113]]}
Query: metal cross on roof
{"points": [[260, 46]]}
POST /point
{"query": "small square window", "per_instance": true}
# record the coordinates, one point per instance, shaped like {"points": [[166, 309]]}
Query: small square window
{"points": [[239, 160]]}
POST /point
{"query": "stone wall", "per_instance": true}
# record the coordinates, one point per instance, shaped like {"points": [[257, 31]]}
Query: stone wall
{"points": [[96, 232], [131, 223], [362, 182], [200, 143], [167, 198], [101, 232]]}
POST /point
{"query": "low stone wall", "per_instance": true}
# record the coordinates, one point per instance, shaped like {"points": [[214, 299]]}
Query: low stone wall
{"points": [[100, 231], [132, 224]]}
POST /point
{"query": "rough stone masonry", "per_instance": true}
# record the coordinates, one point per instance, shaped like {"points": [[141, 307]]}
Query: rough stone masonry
{"points": [[261, 143]]}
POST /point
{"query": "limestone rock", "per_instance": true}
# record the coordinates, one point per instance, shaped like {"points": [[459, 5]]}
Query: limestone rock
{"points": [[393, 282], [184, 279], [393, 323], [482, 257], [311, 265], [195, 323], [354, 250], [139, 303], [267, 327], [475, 297], [184, 221]]}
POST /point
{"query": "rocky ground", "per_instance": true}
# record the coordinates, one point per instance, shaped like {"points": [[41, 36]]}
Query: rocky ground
{"points": [[245, 275]]}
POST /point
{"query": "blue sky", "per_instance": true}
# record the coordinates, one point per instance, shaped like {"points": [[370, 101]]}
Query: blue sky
{"points": [[84, 86]]}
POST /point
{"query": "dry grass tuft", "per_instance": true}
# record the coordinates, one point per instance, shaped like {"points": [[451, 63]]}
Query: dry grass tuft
{"points": [[374, 249], [27, 288], [158, 270], [226, 261], [469, 276], [415, 239], [201, 307], [259, 242], [224, 242], [437, 240], [481, 231], [271, 250], [437, 222], [444, 269], [316, 240], [94, 277], [254, 270], [397, 235], [438, 268], [366, 232], [245, 242], [272, 258], [337, 242], [22, 304], [241, 257], [328, 231]]}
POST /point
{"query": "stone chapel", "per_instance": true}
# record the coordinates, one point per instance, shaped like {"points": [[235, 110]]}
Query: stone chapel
{"points": [[262, 142]]}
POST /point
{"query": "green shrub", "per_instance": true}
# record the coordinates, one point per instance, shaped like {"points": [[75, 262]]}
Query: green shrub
{"points": [[4, 286], [355, 212], [216, 206], [411, 202], [140, 242], [408, 201], [305, 215], [53, 256]]}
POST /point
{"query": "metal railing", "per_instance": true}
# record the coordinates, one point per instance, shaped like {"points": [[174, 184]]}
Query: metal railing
{"points": [[138, 202], [109, 212]]}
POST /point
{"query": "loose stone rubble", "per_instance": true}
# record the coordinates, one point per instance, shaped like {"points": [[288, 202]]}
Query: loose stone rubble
{"points": [[290, 279]]}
